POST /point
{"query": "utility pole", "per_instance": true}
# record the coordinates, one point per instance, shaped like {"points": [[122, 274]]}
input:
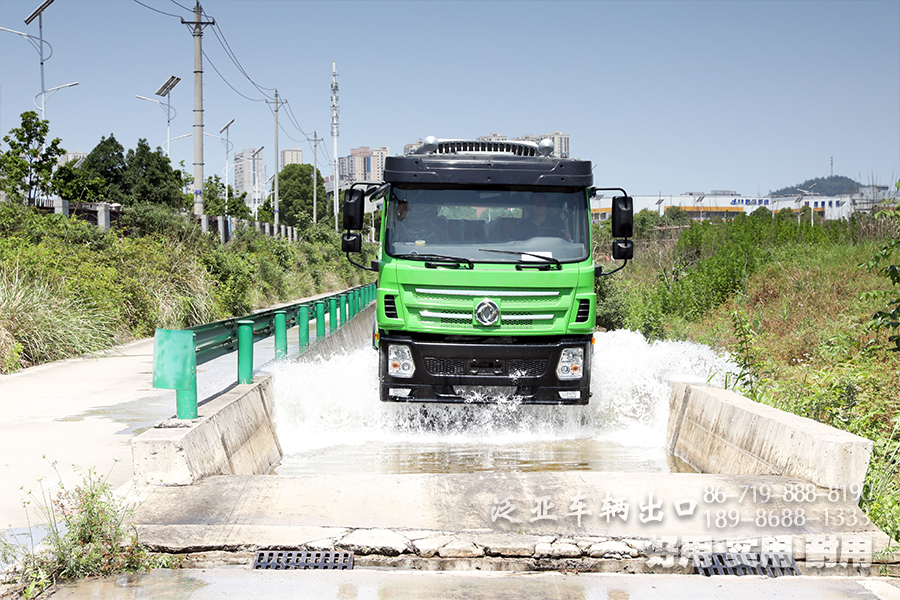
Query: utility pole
{"points": [[315, 179], [277, 158], [335, 132], [198, 24]]}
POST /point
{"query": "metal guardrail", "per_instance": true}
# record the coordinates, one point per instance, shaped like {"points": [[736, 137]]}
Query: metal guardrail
{"points": [[177, 353]]}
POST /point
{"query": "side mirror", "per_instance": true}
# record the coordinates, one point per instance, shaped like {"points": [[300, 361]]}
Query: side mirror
{"points": [[351, 242], [622, 217], [622, 249], [354, 204]]}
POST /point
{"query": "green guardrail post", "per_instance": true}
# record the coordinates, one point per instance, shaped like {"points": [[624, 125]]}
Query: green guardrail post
{"points": [[303, 324], [343, 300], [280, 334], [332, 314], [358, 299], [320, 320], [351, 303], [175, 368], [245, 351]]}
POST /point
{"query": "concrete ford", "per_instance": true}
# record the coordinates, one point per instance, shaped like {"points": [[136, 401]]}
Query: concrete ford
{"points": [[485, 275]]}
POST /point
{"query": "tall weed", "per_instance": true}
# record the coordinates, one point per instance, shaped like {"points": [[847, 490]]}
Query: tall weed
{"points": [[40, 323]]}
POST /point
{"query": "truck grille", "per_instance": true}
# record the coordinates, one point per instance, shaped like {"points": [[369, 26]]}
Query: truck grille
{"points": [[458, 367], [521, 310]]}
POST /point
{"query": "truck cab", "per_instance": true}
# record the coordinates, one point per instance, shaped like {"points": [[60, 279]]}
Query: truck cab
{"points": [[485, 286]]}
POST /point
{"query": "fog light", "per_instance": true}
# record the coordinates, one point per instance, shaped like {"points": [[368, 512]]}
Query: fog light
{"points": [[570, 395], [399, 392], [400, 363], [571, 363]]}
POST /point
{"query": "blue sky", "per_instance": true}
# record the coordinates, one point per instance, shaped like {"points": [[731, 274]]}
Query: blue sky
{"points": [[663, 97]]}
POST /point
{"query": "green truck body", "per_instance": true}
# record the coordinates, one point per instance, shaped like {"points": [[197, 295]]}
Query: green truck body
{"points": [[485, 286]]}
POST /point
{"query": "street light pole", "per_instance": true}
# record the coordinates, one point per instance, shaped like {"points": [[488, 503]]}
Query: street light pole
{"points": [[165, 92], [227, 151], [255, 179], [39, 13]]}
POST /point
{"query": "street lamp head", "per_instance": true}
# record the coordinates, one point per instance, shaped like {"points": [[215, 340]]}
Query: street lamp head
{"points": [[37, 11], [227, 126], [167, 86]]}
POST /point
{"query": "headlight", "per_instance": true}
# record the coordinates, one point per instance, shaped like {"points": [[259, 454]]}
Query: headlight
{"points": [[400, 363], [571, 364]]}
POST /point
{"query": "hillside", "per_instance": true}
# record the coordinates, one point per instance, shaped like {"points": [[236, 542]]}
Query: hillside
{"points": [[836, 185]]}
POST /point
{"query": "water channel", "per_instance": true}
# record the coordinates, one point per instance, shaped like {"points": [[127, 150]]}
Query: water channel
{"points": [[330, 420]]}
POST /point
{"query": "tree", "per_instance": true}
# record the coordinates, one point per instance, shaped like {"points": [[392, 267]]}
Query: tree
{"points": [[266, 212], [237, 205], [75, 184], [645, 221], [26, 169], [674, 215], [107, 162], [219, 201], [149, 177], [295, 197], [214, 201]]}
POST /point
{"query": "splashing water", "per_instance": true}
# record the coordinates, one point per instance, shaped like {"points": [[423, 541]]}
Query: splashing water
{"points": [[328, 411]]}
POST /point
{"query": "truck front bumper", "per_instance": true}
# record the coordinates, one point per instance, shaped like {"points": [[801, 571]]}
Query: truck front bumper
{"points": [[485, 372]]}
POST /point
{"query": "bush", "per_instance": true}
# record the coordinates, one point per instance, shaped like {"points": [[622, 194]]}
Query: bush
{"points": [[86, 536]]}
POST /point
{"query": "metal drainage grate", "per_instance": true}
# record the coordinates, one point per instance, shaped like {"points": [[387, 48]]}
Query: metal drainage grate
{"points": [[773, 564], [285, 559]]}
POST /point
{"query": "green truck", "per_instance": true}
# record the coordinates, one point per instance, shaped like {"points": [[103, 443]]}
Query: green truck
{"points": [[485, 286]]}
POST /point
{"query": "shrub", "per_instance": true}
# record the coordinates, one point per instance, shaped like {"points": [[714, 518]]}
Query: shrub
{"points": [[86, 536]]}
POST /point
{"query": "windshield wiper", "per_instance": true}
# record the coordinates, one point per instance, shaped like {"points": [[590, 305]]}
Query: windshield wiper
{"points": [[550, 261], [439, 260]]}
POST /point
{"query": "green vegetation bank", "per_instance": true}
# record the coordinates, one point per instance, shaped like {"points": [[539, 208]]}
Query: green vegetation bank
{"points": [[809, 313]]}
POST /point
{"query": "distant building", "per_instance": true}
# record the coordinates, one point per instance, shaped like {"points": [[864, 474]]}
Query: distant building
{"points": [[72, 156], [293, 156], [376, 167], [363, 164], [248, 177]]}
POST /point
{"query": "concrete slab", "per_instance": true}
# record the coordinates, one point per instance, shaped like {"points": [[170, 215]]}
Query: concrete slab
{"points": [[667, 513], [368, 584]]}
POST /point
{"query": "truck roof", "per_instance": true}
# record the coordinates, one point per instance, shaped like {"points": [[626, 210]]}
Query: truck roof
{"points": [[484, 163]]}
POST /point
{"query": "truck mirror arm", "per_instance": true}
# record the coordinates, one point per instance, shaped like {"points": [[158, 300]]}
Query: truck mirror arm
{"points": [[374, 266], [598, 270]]}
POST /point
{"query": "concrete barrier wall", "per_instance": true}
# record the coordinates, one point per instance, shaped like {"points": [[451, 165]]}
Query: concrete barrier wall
{"points": [[356, 333], [718, 431], [234, 433]]}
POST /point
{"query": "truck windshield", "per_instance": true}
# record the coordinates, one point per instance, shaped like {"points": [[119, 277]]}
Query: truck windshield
{"points": [[475, 224]]}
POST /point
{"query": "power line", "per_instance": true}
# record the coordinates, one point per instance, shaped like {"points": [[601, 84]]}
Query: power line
{"points": [[220, 36], [181, 6], [157, 10], [219, 73]]}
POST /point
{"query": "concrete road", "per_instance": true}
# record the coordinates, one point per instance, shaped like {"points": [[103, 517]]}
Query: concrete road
{"points": [[370, 584], [83, 413]]}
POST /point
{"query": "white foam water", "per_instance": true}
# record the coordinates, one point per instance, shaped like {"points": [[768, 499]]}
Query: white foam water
{"points": [[330, 408]]}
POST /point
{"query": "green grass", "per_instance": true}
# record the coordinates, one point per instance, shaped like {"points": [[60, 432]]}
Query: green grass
{"points": [[798, 326], [69, 288]]}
